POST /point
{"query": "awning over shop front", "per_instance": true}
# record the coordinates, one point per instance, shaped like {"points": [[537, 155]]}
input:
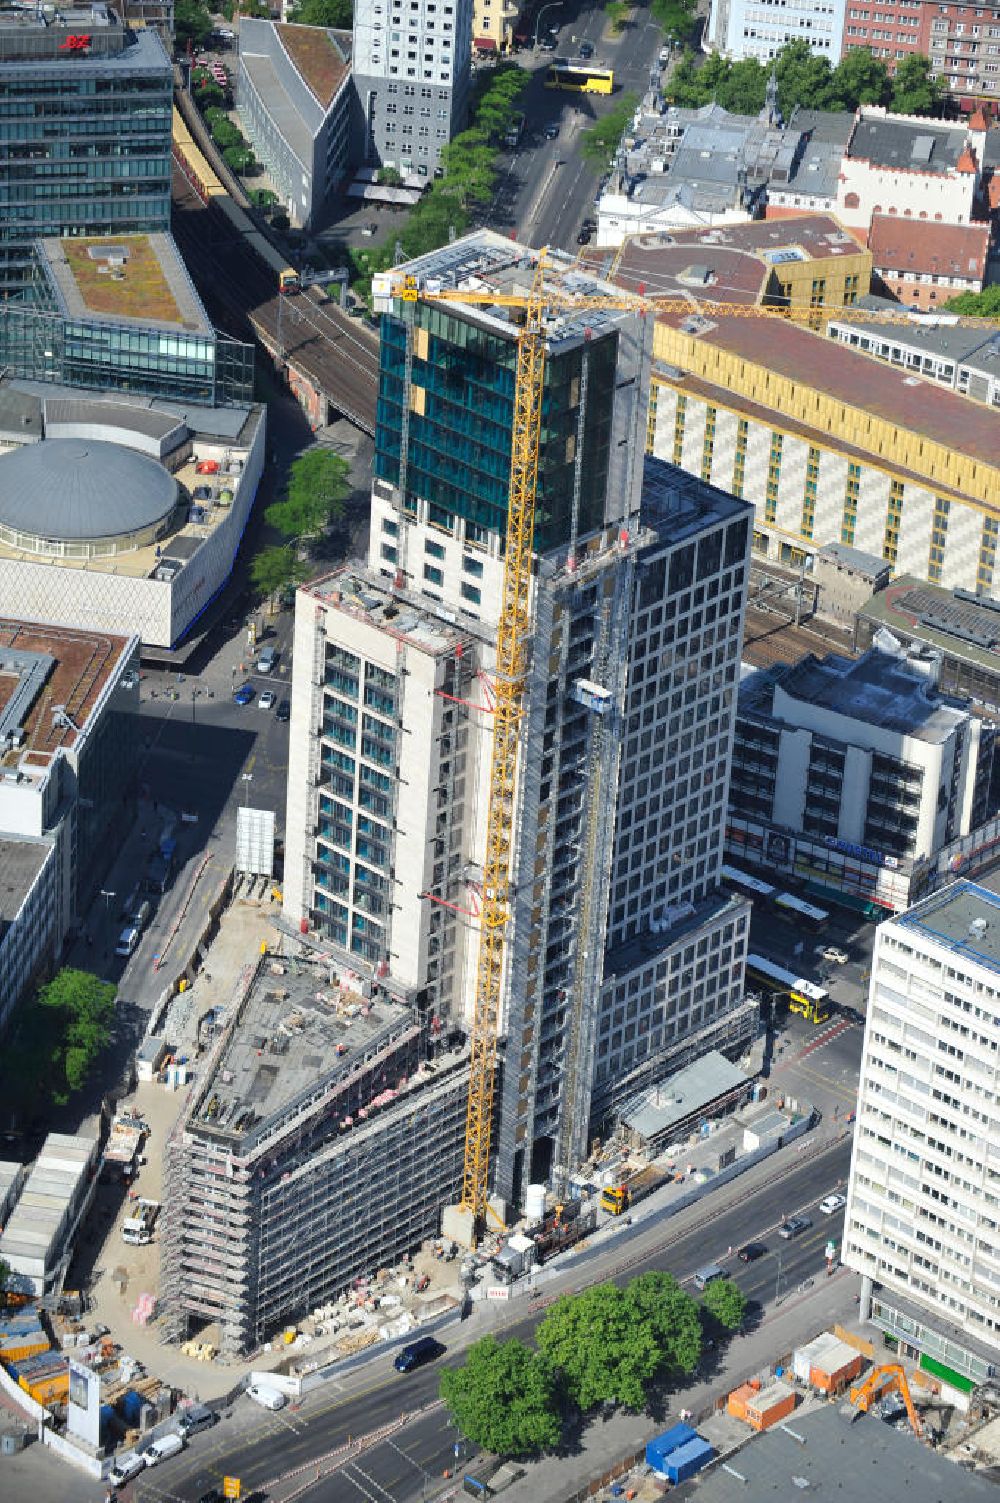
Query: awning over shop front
{"points": [[485, 44]]}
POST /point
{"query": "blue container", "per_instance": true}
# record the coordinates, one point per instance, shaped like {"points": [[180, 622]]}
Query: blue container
{"points": [[107, 1418], [688, 1459], [661, 1446], [131, 1404]]}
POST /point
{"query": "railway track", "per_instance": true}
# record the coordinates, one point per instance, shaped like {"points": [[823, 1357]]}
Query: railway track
{"points": [[770, 639], [324, 343]]}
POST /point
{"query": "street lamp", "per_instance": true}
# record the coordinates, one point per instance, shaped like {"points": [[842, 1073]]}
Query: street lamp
{"points": [[777, 1279], [552, 5]]}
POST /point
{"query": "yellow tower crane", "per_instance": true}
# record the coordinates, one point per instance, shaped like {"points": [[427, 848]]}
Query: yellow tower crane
{"points": [[512, 639]]}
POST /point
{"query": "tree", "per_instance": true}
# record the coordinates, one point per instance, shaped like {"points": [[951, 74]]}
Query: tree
{"points": [[914, 90], [240, 159], [745, 88], [617, 13], [985, 304], [726, 1303], [599, 144], [225, 133], [673, 1318], [192, 25], [504, 1398], [859, 78], [60, 1033], [804, 78], [277, 568], [317, 484], [336, 13], [678, 19], [604, 1349], [208, 94]]}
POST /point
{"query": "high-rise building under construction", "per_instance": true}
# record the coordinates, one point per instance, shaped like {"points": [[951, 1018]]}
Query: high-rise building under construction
{"points": [[623, 959]]}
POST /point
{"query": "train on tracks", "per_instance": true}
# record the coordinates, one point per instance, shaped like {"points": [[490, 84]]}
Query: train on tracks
{"points": [[204, 180]]}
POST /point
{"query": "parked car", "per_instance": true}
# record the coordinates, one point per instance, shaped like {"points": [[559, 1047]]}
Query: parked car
{"points": [[162, 1449], [552, 130], [664, 56], [833, 954], [245, 694], [127, 940], [267, 700], [750, 1252], [267, 1398], [268, 660], [284, 710], [418, 1352], [585, 236], [194, 1419], [794, 1227], [831, 1203], [586, 49], [547, 44], [128, 1465]]}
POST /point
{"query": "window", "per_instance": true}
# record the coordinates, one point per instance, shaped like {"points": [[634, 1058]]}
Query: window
{"points": [[471, 593], [432, 575], [434, 550], [472, 566]]}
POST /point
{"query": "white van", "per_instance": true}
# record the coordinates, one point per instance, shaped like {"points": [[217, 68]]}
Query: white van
{"points": [[128, 1465], [708, 1275], [127, 941], [267, 660], [160, 1450]]}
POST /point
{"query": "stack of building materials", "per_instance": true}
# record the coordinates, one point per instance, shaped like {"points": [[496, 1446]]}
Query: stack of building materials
{"points": [[44, 1378], [22, 1335], [762, 1406], [145, 1309], [121, 1155], [41, 1225], [827, 1363], [679, 1453]]}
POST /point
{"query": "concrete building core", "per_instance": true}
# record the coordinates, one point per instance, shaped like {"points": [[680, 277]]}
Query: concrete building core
{"points": [[623, 960]]}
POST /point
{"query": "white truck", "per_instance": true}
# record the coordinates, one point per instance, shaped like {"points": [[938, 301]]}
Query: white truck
{"points": [[137, 1228]]}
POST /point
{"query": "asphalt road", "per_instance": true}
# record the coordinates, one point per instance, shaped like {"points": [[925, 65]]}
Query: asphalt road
{"points": [[262, 1448]]}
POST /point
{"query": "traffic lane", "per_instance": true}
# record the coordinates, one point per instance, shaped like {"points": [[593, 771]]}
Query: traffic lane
{"points": [[400, 1471], [335, 1413], [786, 1264]]}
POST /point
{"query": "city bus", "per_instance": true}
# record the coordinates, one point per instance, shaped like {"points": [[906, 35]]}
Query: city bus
{"points": [[749, 887], [788, 906], [585, 78], [812, 1002]]}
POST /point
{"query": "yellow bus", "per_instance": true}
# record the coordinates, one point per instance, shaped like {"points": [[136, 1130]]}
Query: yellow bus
{"points": [[812, 1002], [581, 76]]}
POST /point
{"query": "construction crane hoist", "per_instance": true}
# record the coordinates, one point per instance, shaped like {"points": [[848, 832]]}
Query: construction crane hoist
{"points": [[514, 627]]}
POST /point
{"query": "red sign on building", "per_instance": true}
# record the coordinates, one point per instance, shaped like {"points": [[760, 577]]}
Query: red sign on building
{"points": [[75, 44]]}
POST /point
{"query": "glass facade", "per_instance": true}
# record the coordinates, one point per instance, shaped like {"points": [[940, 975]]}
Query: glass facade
{"points": [[460, 419], [84, 137]]}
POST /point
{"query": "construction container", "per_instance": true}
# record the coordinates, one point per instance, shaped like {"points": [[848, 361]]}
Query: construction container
{"points": [[761, 1406], [130, 1408], [688, 1459], [660, 1447], [827, 1363], [44, 1378]]}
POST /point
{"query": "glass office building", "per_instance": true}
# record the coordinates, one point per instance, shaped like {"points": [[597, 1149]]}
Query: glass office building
{"points": [[461, 415], [85, 113]]}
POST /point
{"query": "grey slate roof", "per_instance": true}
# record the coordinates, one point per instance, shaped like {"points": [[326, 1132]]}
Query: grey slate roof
{"points": [[919, 145], [78, 489]]}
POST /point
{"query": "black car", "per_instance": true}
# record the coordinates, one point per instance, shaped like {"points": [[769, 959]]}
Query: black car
{"points": [[750, 1252], [794, 1227], [584, 236], [417, 1353], [284, 710], [586, 49], [552, 130]]}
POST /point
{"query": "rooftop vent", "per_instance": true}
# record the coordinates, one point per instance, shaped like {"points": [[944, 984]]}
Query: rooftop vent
{"points": [[978, 928]]}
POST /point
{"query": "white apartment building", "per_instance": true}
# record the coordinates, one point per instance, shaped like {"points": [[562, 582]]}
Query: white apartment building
{"points": [[412, 66], [853, 774], [760, 28], [922, 1225]]}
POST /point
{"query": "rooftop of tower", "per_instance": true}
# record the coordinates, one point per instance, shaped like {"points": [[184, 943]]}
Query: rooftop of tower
{"points": [[123, 278], [488, 262]]}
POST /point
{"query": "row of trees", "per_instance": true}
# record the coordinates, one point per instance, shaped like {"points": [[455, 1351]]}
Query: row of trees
{"points": [[806, 79], [317, 485], [58, 1036], [465, 187], [236, 151], [604, 1346], [678, 18]]}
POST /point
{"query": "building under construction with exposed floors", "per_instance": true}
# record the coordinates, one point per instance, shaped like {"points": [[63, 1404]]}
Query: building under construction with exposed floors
{"points": [[623, 959]]}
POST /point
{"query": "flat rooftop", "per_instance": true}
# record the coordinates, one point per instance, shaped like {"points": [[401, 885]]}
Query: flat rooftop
{"points": [[965, 918], [20, 863], [820, 1454], [485, 261], [691, 1089], [287, 1038], [364, 597], [966, 629], [941, 334], [845, 375], [66, 667], [123, 279], [677, 504], [906, 144], [878, 689]]}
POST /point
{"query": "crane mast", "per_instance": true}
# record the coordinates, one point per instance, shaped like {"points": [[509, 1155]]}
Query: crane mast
{"points": [[511, 665]]}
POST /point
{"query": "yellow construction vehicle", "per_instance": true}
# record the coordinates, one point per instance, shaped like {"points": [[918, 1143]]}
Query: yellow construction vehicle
{"points": [[514, 627], [882, 1380]]}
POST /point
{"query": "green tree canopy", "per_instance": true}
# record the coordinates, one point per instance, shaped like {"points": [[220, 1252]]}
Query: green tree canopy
{"points": [[225, 133], [240, 159], [504, 1398], [277, 568], [914, 90], [604, 1349], [985, 304], [677, 17], [336, 13], [859, 78], [599, 144], [318, 482], [59, 1034], [726, 1303], [673, 1318], [192, 25]]}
